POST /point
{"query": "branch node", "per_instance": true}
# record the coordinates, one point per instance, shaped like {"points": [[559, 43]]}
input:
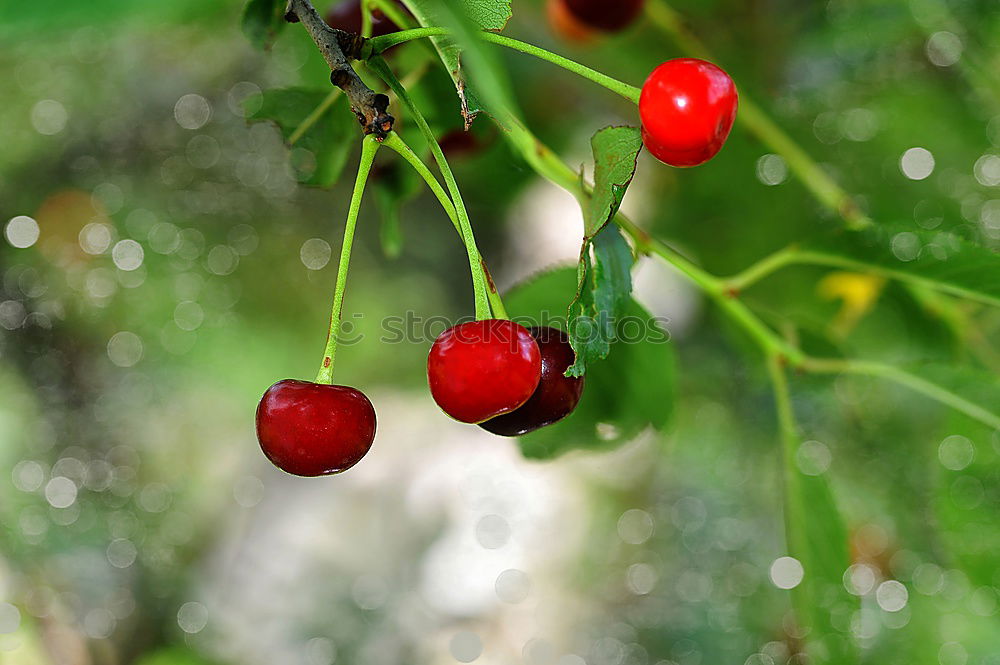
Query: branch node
{"points": [[338, 49]]}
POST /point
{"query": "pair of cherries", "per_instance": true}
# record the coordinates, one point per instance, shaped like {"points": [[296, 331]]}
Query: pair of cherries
{"points": [[508, 379]]}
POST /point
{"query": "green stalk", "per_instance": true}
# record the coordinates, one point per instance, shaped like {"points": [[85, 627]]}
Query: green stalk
{"points": [[794, 256], [366, 20], [903, 378], [369, 147], [479, 281], [395, 142], [629, 92]]}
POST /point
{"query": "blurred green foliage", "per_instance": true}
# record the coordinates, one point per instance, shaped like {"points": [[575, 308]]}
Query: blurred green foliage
{"points": [[107, 138]]}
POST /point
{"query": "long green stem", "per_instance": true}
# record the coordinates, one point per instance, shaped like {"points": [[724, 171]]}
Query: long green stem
{"points": [[369, 147], [787, 429], [480, 285], [395, 142], [903, 378], [795, 256], [629, 92], [366, 20], [761, 269]]}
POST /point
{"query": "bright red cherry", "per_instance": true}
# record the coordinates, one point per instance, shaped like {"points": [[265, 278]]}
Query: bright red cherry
{"points": [[687, 108], [313, 429], [482, 369], [557, 394], [603, 15]]}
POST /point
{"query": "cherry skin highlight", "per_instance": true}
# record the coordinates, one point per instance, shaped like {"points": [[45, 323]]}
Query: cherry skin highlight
{"points": [[687, 107], [482, 369], [314, 429], [556, 396]]}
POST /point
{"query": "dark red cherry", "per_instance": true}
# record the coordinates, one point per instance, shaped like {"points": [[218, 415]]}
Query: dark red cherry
{"points": [[313, 429], [482, 369], [603, 15], [459, 143], [557, 394], [346, 16], [687, 107]]}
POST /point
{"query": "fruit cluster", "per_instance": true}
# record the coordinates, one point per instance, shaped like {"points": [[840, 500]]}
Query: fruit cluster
{"points": [[492, 372], [508, 379]]}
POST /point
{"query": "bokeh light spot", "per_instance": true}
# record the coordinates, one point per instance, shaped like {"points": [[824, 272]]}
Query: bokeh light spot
{"points": [[465, 647], [917, 163], [192, 617], [22, 232], [513, 586], [956, 452], [492, 532], [786, 572]]}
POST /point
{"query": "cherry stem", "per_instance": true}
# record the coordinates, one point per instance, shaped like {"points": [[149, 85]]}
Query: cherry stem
{"points": [[370, 146], [476, 265], [366, 20], [395, 142], [629, 92]]}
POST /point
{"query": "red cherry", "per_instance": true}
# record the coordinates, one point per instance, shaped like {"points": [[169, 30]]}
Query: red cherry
{"points": [[557, 394], [687, 107], [346, 16], [482, 369], [312, 429], [602, 15]]}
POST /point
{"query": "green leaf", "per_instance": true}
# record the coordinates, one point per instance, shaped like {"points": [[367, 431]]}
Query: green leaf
{"points": [[632, 390], [318, 156], [939, 260], [462, 49], [603, 291], [394, 185], [604, 281], [616, 150], [263, 20]]}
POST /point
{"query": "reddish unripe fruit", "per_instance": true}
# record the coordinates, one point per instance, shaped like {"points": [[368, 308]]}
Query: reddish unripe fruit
{"points": [[312, 429], [603, 15], [566, 25], [687, 108], [482, 369], [346, 16], [556, 395]]}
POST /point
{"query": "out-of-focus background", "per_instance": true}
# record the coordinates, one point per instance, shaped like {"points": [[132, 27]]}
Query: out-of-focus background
{"points": [[161, 266]]}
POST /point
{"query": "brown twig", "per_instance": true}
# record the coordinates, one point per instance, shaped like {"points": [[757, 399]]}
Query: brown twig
{"points": [[338, 49]]}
